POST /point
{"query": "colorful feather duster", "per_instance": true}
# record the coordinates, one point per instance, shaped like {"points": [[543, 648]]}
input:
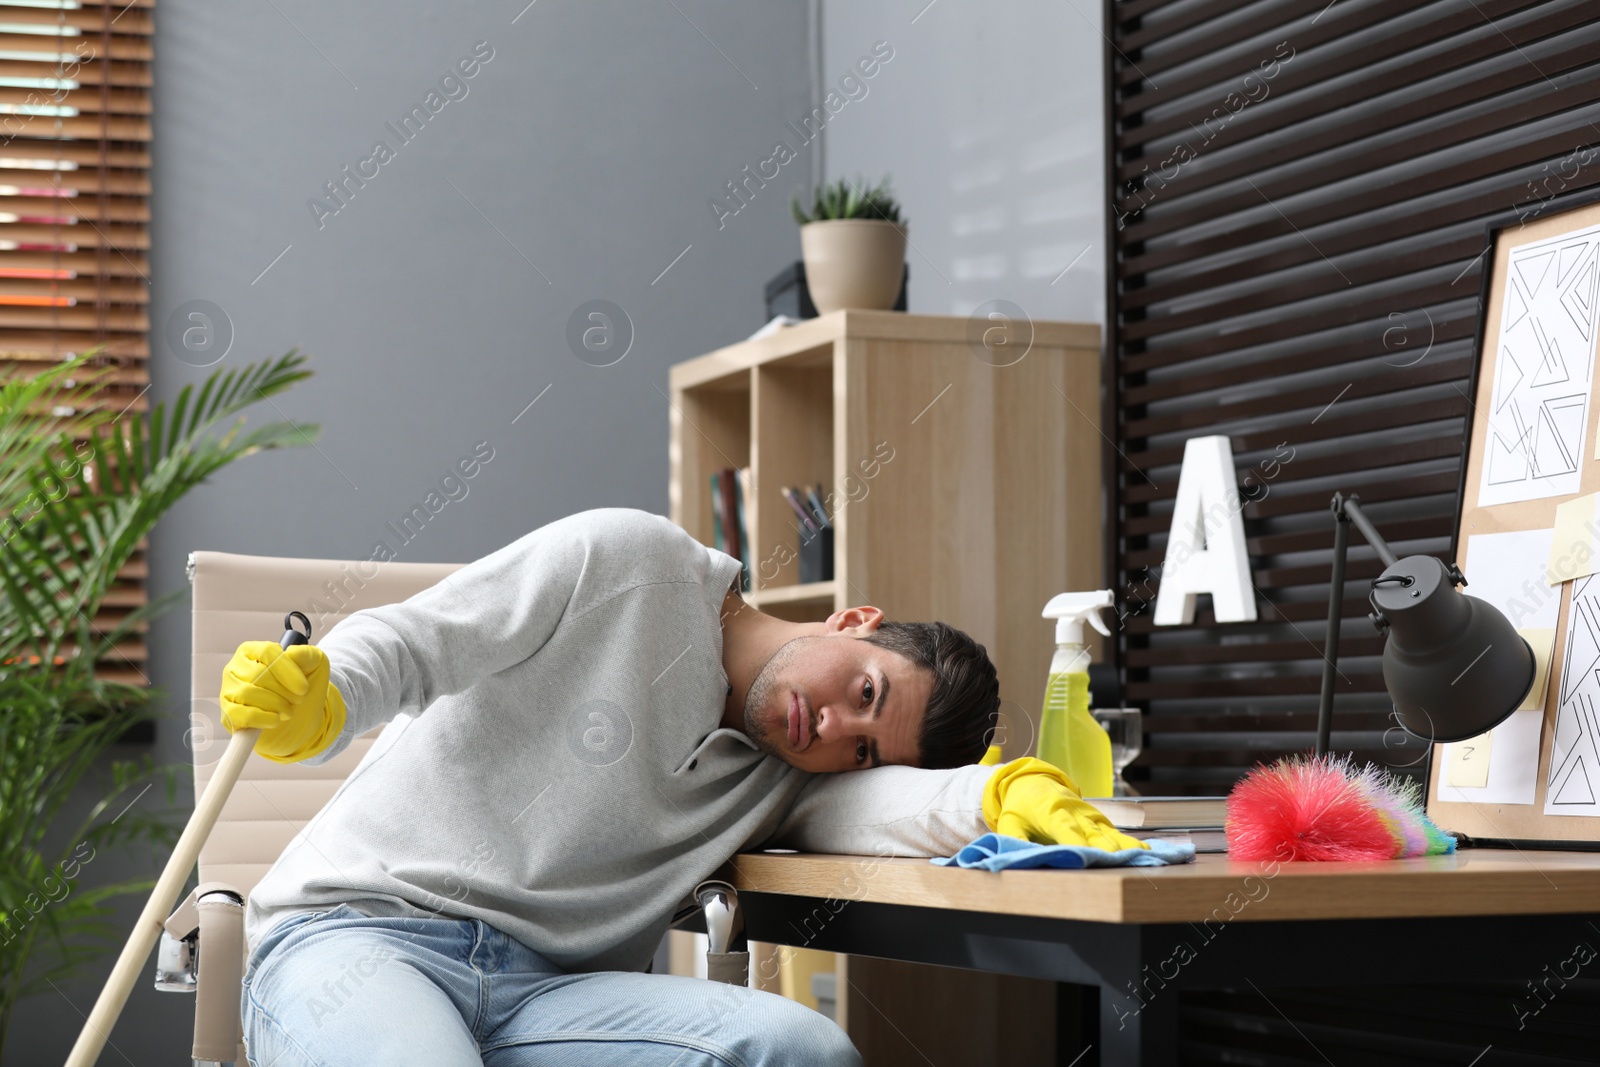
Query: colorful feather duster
{"points": [[1322, 808]]}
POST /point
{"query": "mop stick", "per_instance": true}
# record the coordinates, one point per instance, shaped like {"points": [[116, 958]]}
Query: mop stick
{"points": [[97, 1028]]}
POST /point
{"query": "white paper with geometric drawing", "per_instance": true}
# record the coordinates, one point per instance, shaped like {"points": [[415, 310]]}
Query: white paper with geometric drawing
{"points": [[1539, 413], [1573, 786]]}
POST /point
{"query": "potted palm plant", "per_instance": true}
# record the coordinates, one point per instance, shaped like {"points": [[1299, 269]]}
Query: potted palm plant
{"points": [[853, 242], [77, 499]]}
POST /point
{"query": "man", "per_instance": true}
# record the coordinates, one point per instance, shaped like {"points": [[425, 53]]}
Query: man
{"points": [[587, 723]]}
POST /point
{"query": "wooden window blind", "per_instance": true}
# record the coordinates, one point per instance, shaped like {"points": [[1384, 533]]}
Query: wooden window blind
{"points": [[74, 216], [1299, 195]]}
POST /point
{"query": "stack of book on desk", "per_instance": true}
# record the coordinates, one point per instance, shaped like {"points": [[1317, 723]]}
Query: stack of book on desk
{"points": [[1196, 819]]}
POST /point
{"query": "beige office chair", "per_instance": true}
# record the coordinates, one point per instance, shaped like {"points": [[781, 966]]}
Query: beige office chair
{"points": [[246, 598]]}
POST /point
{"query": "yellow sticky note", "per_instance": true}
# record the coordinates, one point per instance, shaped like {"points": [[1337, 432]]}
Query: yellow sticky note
{"points": [[1572, 549], [1542, 641], [1469, 763]]}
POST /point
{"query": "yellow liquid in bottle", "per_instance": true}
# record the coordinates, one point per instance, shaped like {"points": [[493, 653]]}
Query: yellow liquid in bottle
{"points": [[1070, 739]]}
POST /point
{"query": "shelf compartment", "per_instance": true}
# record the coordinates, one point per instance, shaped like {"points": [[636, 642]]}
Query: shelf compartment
{"points": [[811, 602], [820, 592], [710, 430], [792, 446]]}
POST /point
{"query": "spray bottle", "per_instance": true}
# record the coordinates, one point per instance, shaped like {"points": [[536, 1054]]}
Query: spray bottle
{"points": [[1069, 738]]}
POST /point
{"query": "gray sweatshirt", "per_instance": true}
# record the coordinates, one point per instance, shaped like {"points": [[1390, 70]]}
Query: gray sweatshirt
{"points": [[555, 763]]}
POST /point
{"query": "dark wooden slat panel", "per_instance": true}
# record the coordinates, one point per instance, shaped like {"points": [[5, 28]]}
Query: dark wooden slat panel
{"points": [[1317, 573], [1367, 231], [1380, 190], [1237, 757], [1263, 686], [1293, 470], [1511, 190], [1190, 655], [1383, 488], [1373, 486], [1266, 16], [1291, 173], [1272, 324], [1324, 429], [1370, 343], [1375, 303], [1402, 351], [1309, 286], [1310, 540], [1301, 91], [1263, 722], [1342, 20], [1451, 19], [1428, 372], [1270, 611], [1132, 10]]}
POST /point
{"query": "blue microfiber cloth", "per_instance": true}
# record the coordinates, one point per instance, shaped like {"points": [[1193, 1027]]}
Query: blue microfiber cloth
{"points": [[996, 852]]}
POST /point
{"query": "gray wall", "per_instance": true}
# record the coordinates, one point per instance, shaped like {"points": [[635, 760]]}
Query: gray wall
{"points": [[593, 141], [988, 119]]}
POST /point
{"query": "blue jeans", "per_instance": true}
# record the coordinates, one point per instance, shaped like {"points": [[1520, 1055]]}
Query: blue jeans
{"points": [[339, 987]]}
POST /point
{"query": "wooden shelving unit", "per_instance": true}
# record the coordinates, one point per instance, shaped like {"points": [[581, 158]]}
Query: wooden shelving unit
{"points": [[959, 489]]}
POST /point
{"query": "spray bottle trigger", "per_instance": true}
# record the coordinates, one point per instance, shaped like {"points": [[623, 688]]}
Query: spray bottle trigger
{"points": [[1097, 622]]}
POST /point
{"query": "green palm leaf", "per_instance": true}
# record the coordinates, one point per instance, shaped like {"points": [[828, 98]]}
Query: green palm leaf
{"points": [[72, 513]]}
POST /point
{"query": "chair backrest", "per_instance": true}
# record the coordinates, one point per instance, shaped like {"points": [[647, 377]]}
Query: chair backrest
{"points": [[245, 598]]}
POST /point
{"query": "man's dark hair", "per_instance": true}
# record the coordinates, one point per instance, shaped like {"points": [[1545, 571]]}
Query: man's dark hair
{"points": [[964, 706]]}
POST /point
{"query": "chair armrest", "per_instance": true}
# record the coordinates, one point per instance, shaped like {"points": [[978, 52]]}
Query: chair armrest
{"points": [[213, 914]]}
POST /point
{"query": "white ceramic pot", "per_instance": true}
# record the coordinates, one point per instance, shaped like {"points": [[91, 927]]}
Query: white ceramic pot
{"points": [[853, 263]]}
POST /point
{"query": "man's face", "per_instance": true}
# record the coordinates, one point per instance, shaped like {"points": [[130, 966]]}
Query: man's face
{"points": [[857, 705]]}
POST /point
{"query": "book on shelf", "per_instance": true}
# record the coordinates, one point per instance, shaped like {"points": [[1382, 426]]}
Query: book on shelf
{"points": [[730, 530], [716, 511], [741, 487], [1163, 813]]}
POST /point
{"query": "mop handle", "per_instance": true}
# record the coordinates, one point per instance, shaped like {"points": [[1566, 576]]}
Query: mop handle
{"points": [[92, 1038], [97, 1028]]}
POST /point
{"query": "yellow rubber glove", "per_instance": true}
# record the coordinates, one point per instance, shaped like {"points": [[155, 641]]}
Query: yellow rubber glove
{"points": [[992, 758], [1034, 800], [285, 692]]}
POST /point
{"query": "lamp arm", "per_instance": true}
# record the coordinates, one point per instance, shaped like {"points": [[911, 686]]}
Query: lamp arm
{"points": [[1330, 653], [1348, 506], [1346, 510]]}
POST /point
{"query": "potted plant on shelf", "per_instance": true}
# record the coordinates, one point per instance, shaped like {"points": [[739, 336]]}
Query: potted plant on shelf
{"points": [[853, 243], [79, 492]]}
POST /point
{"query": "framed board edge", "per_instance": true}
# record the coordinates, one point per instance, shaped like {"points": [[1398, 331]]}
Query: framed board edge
{"points": [[1493, 228], [1491, 233]]}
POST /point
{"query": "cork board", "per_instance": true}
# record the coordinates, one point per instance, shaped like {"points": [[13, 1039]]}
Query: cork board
{"points": [[1540, 290]]}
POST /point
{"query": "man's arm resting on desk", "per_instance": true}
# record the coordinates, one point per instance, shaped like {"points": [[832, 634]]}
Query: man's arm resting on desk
{"points": [[914, 812], [907, 810]]}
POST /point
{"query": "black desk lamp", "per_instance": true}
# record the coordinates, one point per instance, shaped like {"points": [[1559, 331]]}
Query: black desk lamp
{"points": [[1437, 638]]}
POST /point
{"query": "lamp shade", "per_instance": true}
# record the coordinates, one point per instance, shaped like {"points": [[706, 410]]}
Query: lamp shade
{"points": [[1454, 665]]}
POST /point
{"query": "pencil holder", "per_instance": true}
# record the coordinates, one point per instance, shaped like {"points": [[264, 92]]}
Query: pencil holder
{"points": [[816, 554]]}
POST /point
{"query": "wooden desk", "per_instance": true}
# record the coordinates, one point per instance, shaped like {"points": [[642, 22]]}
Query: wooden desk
{"points": [[1142, 934]]}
